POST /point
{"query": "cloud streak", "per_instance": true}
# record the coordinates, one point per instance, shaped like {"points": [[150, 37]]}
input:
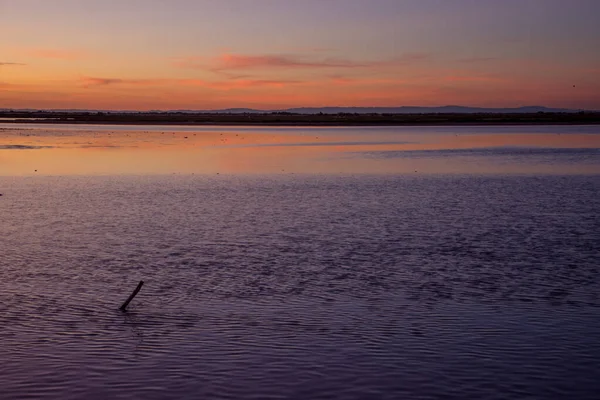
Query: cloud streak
{"points": [[88, 82], [11, 64], [233, 62], [240, 83], [22, 147], [228, 62]]}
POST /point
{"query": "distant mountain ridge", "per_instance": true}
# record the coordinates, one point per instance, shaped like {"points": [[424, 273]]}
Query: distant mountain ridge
{"points": [[425, 110], [450, 109], [386, 110]]}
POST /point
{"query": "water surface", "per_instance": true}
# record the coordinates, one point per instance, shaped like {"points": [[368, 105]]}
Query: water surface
{"points": [[110, 150], [475, 278]]}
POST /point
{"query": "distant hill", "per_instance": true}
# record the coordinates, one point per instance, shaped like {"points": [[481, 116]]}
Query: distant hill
{"points": [[386, 110], [424, 110], [337, 110]]}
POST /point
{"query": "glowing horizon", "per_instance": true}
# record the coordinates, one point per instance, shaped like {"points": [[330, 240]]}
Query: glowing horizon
{"points": [[265, 54]]}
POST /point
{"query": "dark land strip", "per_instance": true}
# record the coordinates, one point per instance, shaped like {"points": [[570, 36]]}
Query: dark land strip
{"points": [[292, 119]]}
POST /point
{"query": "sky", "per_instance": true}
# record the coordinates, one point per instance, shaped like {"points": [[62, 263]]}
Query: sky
{"points": [[273, 54]]}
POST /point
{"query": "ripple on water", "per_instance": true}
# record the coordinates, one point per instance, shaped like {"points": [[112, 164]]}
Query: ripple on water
{"points": [[304, 287]]}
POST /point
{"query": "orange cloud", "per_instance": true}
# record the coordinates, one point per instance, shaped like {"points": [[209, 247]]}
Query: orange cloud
{"points": [[240, 83], [89, 81]]}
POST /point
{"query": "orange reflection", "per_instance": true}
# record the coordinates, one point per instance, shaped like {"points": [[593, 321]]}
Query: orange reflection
{"points": [[90, 151]]}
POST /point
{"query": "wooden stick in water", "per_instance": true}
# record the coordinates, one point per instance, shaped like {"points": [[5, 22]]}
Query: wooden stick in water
{"points": [[137, 289]]}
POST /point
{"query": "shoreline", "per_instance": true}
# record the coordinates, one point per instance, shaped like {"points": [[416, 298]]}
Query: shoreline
{"points": [[300, 120], [300, 125]]}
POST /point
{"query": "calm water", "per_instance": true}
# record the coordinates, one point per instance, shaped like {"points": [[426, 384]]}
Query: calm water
{"points": [[477, 276]]}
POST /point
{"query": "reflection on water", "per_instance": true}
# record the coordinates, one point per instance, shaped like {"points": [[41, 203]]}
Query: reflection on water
{"points": [[92, 150]]}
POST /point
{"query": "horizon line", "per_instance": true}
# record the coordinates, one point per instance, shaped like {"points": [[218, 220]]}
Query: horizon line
{"points": [[287, 109]]}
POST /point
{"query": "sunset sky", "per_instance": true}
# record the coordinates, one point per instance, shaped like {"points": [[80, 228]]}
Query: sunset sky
{"points": [[209, 54]]}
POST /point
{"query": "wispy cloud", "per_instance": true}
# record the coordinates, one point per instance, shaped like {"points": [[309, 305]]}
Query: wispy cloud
{"points": [[231, 62], [22, 147], [89, 81], [239, 61], [9, 64], [240, 83]]}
